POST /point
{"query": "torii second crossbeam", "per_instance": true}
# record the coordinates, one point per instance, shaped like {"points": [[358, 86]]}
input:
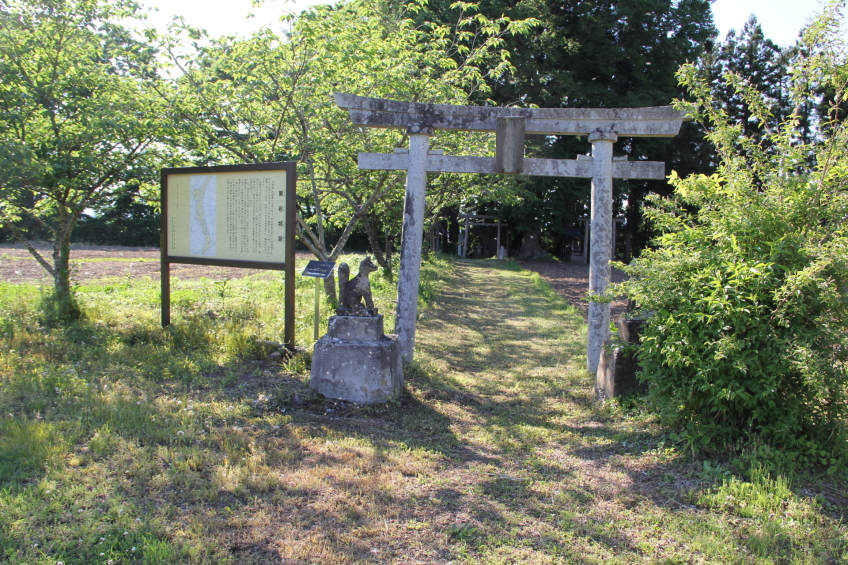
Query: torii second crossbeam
{"points": [[602, 126]]}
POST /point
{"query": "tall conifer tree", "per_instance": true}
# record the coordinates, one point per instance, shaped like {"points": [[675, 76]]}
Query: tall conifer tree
{"points": [[599, 53]]}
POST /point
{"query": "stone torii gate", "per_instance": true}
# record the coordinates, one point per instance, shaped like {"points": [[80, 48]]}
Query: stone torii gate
{"points": [[602, 126]]}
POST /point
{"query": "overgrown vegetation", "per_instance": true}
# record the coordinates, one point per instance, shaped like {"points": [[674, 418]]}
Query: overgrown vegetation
{"points": [[78, 121], [747, 343], [123, 442], [91, 109]]}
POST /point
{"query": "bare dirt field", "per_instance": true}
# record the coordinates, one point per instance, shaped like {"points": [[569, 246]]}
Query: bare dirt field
{"points": [[92, 263], [571, 280]]}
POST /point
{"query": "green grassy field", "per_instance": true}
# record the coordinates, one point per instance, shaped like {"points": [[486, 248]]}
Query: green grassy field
{"points": [[121, 442]]}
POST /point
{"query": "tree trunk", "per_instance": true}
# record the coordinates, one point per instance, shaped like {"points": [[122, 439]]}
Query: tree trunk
{"points": [[374, 240], [65, 308], [633, 215], [383, 259], [531, 246], [390, 276], [330, 290], [451, 215]]}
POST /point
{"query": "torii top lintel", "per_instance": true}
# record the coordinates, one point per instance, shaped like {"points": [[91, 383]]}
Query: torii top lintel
{"points": [[656, 121]]}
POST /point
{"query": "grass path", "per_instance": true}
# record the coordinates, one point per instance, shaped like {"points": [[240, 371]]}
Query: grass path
{"points": [[543, 474], [540, 473], [496, 454]]}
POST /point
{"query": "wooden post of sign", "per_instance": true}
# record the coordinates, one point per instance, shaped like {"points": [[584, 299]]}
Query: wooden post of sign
{"points": [[164, 264], [290, 297], [317, 308], [165, 289], [411, 237], [601, 243]]}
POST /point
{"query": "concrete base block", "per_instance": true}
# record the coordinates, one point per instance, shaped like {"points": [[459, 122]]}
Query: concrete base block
{"points": [[353, 363], [629, 329], [616, 374], [617, 370], [356, 328]]}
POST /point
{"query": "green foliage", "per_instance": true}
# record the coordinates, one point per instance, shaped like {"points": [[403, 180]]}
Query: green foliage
{"points": [[269, 97], [76, 118], [434, 273], [593, 54], [776, 520], [27, 447], [747, 285], [56, 310], [762, 495]]}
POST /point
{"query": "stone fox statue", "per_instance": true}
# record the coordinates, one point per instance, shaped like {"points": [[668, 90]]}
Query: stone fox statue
{"points": [[351, 292]]}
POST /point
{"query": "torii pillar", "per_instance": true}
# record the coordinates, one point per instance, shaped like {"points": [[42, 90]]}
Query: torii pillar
{"points": [[601, 243], [411, 236], [602, 125]]}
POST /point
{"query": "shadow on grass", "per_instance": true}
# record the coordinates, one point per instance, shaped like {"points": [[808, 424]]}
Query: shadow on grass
{"points": [[496, 445], [504, 367]]}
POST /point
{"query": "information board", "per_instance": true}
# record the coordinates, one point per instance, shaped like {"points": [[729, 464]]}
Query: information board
{"points": [[230, 216], [319, 269], [233, 216]]}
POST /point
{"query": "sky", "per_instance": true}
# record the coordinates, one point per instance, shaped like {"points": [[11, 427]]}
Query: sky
{"points": [[781, 19]]}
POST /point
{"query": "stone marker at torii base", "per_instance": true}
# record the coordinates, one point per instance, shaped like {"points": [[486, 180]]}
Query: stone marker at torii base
{"points": [[602, 126], [356, 361]]}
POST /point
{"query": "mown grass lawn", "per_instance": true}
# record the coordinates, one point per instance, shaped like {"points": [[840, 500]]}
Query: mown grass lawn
{"points": [[122, 442]]}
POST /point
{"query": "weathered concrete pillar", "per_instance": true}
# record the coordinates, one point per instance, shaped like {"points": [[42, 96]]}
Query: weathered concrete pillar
{"points": [[601, 243], [411, 237], [509, 149]]}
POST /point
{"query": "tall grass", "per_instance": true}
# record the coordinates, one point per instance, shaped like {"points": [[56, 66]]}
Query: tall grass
{"points": [[124, 442], [92, 411]]}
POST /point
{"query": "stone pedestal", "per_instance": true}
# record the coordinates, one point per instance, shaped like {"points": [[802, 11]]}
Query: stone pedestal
{"points": [[617, 369], [357, 362]]}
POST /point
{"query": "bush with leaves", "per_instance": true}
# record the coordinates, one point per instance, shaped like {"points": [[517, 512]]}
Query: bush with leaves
{"points": [[748, 281]]}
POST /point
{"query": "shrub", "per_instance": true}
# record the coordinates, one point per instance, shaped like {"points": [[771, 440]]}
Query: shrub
{"points": [[748, 281]]}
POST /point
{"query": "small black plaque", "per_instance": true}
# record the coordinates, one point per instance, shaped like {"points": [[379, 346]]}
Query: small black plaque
{"points": [[320, 269]]}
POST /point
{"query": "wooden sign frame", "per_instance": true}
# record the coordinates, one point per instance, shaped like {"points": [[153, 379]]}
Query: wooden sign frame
{"points": [[285, 263]]}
